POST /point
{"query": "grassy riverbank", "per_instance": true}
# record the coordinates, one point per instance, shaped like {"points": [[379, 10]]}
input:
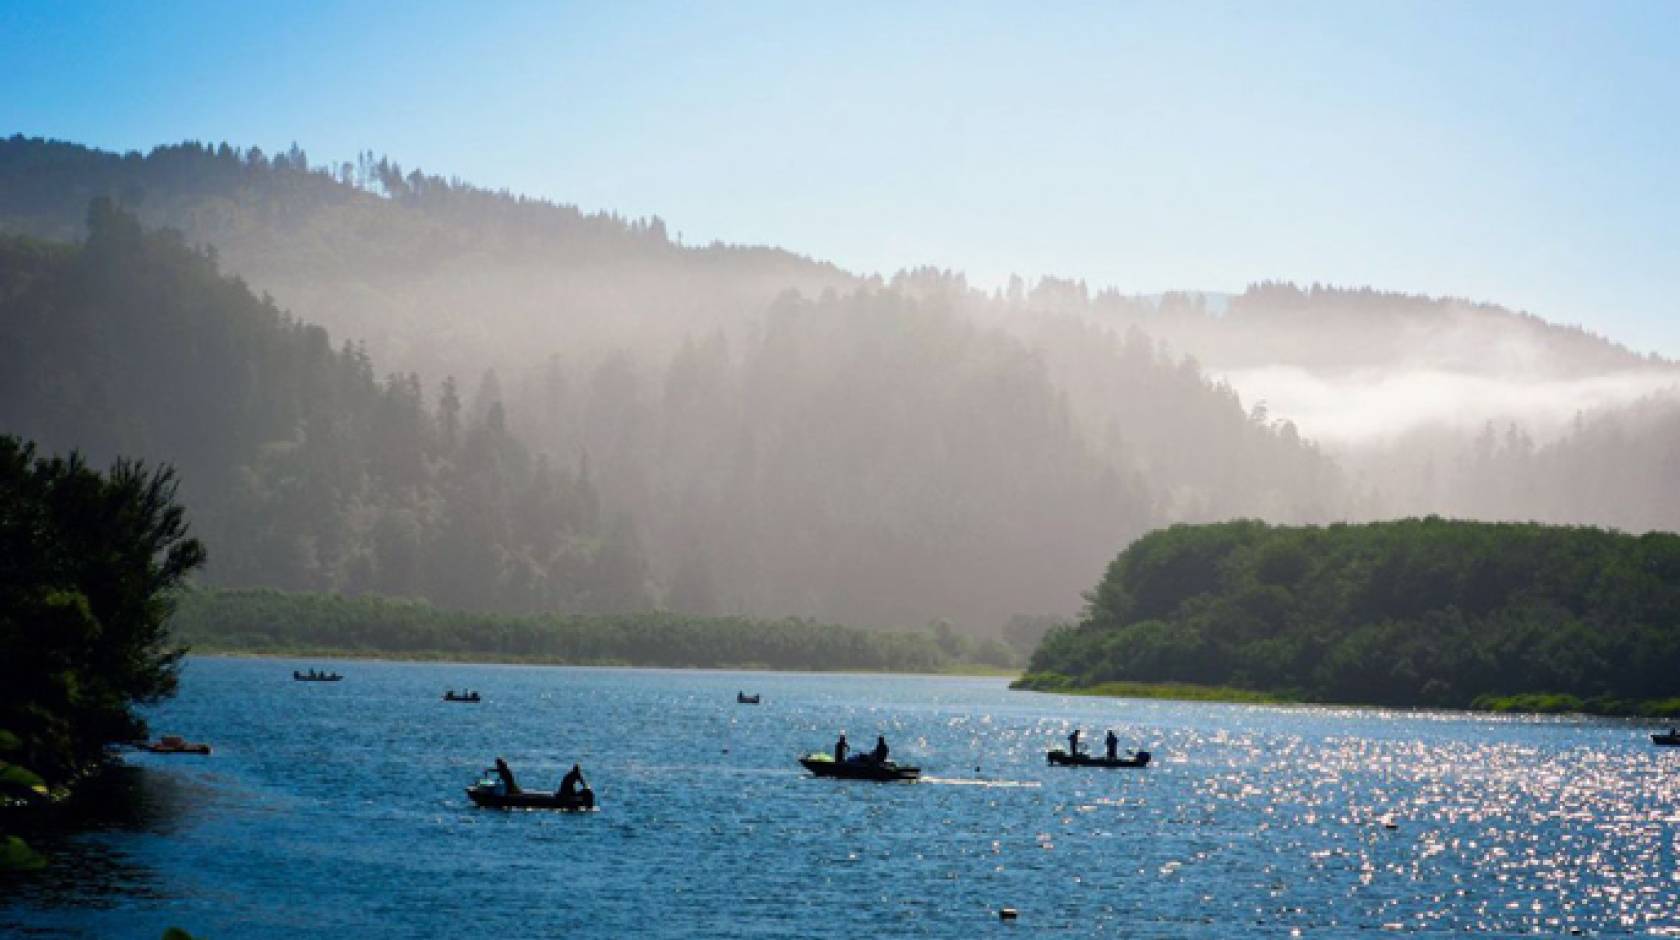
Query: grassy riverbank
{"points": [[1175, 691], [262, 621], [333, 654], [1544, 703], [1527, 704]]}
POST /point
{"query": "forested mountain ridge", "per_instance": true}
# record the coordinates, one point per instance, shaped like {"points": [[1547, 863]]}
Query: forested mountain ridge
{"points": [[778, 437], [434, 275], [790, 440], [301, 469], [1413, 612]]}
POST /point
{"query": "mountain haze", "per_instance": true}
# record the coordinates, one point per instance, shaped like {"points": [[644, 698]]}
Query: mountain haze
{"points": [[772, 435]]}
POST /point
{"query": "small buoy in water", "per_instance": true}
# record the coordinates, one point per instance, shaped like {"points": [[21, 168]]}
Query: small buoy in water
{"points": [[1008, 913]]}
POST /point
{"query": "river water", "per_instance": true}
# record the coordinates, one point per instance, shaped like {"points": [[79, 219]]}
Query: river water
{"points": [[339, 808]]}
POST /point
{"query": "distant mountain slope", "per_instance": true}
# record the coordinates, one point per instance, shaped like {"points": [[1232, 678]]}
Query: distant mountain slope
{"points": [[432, 275], [789, 439], [777, 436], [299, 469]]}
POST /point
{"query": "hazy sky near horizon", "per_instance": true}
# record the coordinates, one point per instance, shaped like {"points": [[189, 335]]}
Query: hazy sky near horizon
{"points": [[1522, 153]]}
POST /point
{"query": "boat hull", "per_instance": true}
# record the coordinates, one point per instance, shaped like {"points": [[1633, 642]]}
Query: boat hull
{"points": [[488, 798], [821, 765], [1666, 740], [1061, 758], [175, 748]]}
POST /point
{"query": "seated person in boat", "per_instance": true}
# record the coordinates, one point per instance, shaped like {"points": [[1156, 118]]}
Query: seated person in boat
{"points": [[571, 784], [1113, 744], [840, 749], [506, 773], [879, 755]]}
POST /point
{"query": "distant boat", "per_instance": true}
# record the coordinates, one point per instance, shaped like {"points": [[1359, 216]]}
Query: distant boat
{"points": [[742, 698], [821, 764], [173, 744], [1061, 758], [451, 696], [491, 793], [313, 676], [1670, 738]]}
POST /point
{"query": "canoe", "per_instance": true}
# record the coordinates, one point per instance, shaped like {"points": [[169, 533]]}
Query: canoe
{"points": [[173, 745], [488, 797], [1061, 758], [824, 765], [1666, 740]]}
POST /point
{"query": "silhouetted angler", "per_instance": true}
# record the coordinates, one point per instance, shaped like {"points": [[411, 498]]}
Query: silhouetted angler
{"points": [[879, 755], [1113, 744], [506, 773], [840, 749], [1073, 743], [571, 784]]}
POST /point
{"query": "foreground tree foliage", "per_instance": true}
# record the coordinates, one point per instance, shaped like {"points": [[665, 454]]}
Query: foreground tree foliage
{"points": [[1415, 612], [264, 620], [88, 562]]}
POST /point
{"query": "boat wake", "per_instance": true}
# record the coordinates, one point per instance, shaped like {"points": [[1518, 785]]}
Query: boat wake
{"points": [[971, 782]]}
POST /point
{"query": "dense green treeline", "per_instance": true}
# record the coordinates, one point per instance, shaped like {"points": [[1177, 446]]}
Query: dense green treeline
{"points": [[1414, 612], [88, 562], [264, 620], [304, 470]]}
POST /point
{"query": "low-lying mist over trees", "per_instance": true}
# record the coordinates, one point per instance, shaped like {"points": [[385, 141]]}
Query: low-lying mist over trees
{"points": [[505, 404]]}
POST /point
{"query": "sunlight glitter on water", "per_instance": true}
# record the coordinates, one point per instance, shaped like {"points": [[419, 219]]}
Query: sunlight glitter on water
{"points": [[1251, 820]]}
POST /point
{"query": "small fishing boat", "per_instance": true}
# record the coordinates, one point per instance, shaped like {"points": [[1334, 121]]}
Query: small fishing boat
{"points": [[824, 765], [742, 698], [1061, 758], [313, 676], [490, 793], [1670, 738], [452, 696], [173, 744]]}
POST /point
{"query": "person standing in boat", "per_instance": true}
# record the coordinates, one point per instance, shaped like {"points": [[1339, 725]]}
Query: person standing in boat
{"points": [[1113, 744], [506, 773], [879, 755], [840, 749], [1073, 743], [571, 784]]}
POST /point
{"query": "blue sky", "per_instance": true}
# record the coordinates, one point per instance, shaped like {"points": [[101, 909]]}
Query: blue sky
{"points": [[1522, 153]]}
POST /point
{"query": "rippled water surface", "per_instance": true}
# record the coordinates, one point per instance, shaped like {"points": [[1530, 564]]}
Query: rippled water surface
{"points": [[340, 807]]}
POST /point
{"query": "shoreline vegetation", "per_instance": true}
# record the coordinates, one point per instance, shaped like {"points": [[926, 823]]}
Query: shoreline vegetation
{"points": [[1170, 691], [1532, 703], [336, 654], [1415, 613], [88, 560], [264, 621]]}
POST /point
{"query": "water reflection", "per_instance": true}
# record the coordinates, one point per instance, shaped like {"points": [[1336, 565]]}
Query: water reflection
{"points": [[91, 841], [346, 802]]}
